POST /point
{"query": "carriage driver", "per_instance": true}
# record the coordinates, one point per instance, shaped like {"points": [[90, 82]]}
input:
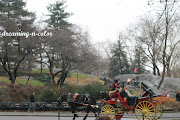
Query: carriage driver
{"points": [[115, 89]]}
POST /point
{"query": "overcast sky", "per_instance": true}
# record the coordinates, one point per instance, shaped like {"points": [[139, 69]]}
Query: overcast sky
{"points": [[104, 19]]}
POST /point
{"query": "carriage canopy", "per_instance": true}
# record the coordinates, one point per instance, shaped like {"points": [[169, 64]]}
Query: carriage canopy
{"points": [[151, 89]]}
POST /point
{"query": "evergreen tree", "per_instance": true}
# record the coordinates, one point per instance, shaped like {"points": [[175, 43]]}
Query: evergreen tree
{"points": [[58, 22], [139, 61], [58, 16], [13, 8], [118, 62]]}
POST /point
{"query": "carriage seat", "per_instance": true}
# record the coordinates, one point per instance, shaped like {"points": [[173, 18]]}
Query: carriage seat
{"points": [[105, 95]]}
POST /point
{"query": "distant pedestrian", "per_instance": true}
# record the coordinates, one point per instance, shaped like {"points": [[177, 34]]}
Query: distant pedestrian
{"points": [[32, 102], [137, 81], [131, 81], [135, 70], [128, 81], [123, 84], [178, 96], [167, 95]]}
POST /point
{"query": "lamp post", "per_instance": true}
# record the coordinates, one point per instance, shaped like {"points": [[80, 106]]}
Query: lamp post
{"points": [[77, 79]]}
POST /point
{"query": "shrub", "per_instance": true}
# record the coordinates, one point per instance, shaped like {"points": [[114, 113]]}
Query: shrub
{"points": [[4, 92], [19, 93], [68, 74], [92, 89], [169, 103], [48, 96], [44, 78]]}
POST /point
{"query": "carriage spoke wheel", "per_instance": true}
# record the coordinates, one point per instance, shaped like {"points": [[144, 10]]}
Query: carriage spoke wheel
{"points": [[145, 110], [108, 110], [159, 110]]}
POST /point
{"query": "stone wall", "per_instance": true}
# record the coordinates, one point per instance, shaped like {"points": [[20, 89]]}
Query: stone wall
{"points": [[171, 84]]}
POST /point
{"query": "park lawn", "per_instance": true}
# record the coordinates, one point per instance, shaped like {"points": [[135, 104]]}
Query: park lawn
{"points": [[80, 76], [23, 81], [37, 71], [32, 82], [82, 79], [74, 77]]}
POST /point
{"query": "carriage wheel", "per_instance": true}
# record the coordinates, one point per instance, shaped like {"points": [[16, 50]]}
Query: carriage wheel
{"points": [[145, 110], [159, 110], [108, 110]]}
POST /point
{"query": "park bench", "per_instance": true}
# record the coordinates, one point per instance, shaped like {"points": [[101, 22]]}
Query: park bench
{"points": [[7, 105], [54, 104], [24, 104], [41, 104]]}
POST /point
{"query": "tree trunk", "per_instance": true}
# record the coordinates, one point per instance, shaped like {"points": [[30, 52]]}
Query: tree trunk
{"points": [[29, 75], [41, 63], [62, 78], [158, 72], [52, 76], [162, 79], [168, 72], [154, 68], [165, 45], [51, 70]]}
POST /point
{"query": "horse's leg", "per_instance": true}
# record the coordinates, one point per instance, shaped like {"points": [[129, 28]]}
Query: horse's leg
{"points": [[73, 112], [94, 111], [87, 112]]}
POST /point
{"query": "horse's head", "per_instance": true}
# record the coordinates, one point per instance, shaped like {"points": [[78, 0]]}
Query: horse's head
{"points": [[89, 99], [61, 98]]}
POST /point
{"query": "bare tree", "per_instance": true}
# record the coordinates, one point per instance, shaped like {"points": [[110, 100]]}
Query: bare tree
{"points": [[147, 37], [169, 17], [15, 48]]}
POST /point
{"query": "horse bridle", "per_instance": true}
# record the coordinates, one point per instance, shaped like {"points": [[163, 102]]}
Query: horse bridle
{"points": [[87, 98]]}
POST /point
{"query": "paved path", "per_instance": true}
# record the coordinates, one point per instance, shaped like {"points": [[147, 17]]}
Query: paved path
{"points": [[68, 116]]}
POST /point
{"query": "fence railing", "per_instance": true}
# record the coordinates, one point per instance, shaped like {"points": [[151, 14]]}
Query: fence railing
{"points": [[40, 106]]}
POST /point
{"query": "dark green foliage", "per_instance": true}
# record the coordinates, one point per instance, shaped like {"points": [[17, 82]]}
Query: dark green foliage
{"points": [[13, 8], [139, 61], [92, 89], [48, 96], [68, 74], [58, 16], [118, 62], [44, 78]]}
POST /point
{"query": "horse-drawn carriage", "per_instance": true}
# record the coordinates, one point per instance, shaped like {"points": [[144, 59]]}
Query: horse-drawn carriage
{"points": [[145, 107]]}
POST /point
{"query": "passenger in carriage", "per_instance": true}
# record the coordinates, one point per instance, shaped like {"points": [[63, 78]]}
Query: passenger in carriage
{"points": [[131, 99], [115, 85], [115, 90]]}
